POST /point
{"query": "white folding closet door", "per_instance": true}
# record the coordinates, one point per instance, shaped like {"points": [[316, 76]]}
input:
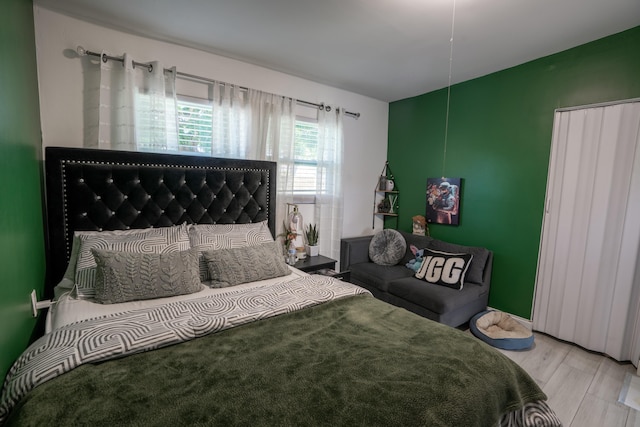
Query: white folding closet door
{"points": [[587, 268]]}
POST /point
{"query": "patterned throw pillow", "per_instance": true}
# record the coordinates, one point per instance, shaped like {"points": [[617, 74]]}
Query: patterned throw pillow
{"points": [[480, 255], [229, 267], [387, 247], [150, 241], [127, 276], [206, 237], [70, 272], [443, 268]]}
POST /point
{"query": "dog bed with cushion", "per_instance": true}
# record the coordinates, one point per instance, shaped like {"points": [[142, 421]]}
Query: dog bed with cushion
{"points": [[501, 330]]}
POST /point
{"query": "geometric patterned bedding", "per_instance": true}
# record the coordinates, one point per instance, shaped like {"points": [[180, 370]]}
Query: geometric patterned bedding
{"points": [[141, 330], [535, 414]]}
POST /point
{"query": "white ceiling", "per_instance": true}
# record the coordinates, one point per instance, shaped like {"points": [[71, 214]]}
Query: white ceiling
{"points": [[385, 49]]}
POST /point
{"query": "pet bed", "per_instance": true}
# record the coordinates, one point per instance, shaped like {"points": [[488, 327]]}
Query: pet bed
{"points": [[501, 331]]}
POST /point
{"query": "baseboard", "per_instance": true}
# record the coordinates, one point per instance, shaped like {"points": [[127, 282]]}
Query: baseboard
{"points": [[525, 322]]}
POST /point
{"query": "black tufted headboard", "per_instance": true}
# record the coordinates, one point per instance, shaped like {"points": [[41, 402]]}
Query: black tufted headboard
{"points": [[89, 189]]}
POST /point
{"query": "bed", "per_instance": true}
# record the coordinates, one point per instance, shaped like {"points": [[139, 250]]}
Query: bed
{"points": [[223, 332]]}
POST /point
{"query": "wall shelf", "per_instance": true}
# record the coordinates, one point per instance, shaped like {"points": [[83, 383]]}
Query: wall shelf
{"points": [[385, 196]]}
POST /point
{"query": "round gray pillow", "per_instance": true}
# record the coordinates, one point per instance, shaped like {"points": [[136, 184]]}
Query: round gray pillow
{"points": [[387, 247]]}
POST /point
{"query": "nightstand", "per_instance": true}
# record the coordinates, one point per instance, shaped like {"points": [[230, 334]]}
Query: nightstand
{"points": [[322, 265], [312, 264]]}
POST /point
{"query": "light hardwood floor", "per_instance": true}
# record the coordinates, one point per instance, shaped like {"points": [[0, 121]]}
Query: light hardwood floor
{"points": [[582, 386]]}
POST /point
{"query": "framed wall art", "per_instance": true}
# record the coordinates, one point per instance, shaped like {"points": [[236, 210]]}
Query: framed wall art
{"points": [[443, 200]]}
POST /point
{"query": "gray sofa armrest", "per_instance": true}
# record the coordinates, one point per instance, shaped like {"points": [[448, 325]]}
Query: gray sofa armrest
{"points": [[486, 274], [354, 250]]}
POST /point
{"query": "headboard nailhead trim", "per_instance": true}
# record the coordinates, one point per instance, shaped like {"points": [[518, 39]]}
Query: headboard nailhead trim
{"points": [[64, 163]]}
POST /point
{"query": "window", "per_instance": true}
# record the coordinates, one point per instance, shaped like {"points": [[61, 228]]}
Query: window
{"points": [[305, 157], [194, 126], [195, 132]]}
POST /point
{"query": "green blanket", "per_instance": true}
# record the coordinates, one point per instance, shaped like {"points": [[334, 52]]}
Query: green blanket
{"points": [[354, 361]]}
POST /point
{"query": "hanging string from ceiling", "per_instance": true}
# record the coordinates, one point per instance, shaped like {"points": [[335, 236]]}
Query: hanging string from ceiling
{"points": [[446, 123], [81, 51]]}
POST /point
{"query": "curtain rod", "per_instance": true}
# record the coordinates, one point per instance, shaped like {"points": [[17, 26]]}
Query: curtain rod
{"points": [[82, 52]]}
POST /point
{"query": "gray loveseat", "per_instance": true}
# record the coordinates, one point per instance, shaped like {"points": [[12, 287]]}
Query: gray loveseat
{"points": [[397, 285]]}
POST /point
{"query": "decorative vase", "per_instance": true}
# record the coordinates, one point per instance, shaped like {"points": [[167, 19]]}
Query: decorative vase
{"points": [[296, 227], [313, 250], [382, 183]]}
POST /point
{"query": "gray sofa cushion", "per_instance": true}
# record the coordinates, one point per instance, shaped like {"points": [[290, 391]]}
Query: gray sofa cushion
{"points": [[377, 275], [438, 299], [476, 269], [387, 247]]}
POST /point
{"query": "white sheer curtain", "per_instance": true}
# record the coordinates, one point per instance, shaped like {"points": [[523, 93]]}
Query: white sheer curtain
{"points": [[130, 108], [272, 137], [588, 284], [231, 122], [258, 125], [251, 124], [328, 209]]}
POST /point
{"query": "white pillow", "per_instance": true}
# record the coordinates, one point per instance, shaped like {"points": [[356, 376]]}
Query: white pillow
{"points": [[151, 241], [207, 237]]}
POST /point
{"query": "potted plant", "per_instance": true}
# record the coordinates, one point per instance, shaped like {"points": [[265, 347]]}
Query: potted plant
{"points": [[311, 233]]}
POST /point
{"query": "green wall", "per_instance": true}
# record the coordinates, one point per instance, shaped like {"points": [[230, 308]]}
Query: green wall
{"points": [[500, 129], [22, 261]]}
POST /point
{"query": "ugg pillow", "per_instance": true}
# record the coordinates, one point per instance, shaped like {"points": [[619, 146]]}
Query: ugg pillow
{"points": [[387, 247], [480, 255], [444, 269]]}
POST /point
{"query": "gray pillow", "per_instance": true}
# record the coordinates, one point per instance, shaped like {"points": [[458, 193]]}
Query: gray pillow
{"points": [[476, 269], [387, 247], [206, 237], [159, 240], [229, 267], [128, 276]]}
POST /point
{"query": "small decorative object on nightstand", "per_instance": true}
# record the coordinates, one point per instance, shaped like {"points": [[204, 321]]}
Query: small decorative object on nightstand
{"points": [[296, 227]]}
